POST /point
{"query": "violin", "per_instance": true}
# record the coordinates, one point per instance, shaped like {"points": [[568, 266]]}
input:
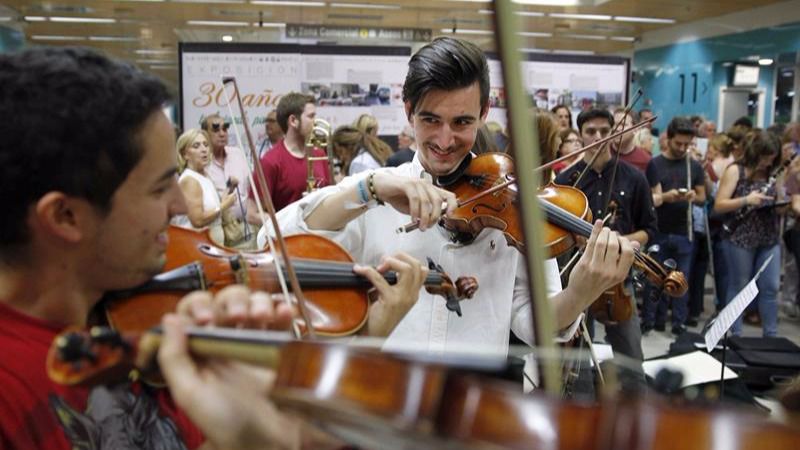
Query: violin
{"points": [[395, 400], [568, 216], [336, 296]]}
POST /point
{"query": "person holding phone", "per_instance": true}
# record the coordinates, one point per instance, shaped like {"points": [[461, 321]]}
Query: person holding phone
{"points": [[669, 169]]}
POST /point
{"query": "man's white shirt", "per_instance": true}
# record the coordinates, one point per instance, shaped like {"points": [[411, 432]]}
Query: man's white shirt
{"points": [[502, 302]]}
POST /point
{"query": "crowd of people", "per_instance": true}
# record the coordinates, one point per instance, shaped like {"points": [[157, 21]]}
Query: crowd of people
{"points": [[96, 219]]}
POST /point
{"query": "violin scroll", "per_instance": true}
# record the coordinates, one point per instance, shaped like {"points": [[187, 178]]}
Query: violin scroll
{"points": [[463, 288], [675, 284], [80, 358]]}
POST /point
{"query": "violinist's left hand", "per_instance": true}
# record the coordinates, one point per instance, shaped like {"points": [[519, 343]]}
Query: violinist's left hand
{"points": [[394, 301], [605, 263], [227, 400], [236, 306]]}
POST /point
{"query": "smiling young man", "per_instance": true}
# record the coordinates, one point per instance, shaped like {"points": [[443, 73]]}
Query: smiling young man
{"points": [[446, 94]]}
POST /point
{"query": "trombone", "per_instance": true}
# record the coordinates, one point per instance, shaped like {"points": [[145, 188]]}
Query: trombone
{"points": [[320, 137]]}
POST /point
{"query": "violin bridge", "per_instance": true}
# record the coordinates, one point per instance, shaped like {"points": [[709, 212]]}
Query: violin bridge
{"points": [[239, 267]]}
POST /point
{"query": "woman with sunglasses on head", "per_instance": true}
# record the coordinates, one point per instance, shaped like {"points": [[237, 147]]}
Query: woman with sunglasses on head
{"points": [[204, 208]]}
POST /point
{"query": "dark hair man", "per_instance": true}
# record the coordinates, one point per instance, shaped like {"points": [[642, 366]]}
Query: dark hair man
{"points": [[284, 166], [86, 212], [629, 203], [446, 95], [680, 188]]}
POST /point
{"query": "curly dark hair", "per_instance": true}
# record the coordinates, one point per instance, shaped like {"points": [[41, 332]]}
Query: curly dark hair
{"points": [[446, 64], [72, 119]]}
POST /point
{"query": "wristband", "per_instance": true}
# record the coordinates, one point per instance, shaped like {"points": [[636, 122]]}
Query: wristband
{"points": [[363, 195], [371, 184]]}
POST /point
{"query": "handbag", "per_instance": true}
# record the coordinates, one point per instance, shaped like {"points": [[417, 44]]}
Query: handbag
{"points": [[232, 227]]}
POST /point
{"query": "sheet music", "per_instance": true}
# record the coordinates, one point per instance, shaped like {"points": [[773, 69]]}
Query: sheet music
{"points": [[733, 310]]}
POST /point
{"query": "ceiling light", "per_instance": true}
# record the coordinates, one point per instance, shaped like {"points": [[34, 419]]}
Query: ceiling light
{"points": [[530, 14], [269, 24], [154, 61], [790, 94], [363, 6], [164, 67], [48, 37], [113, 39], [485, 11], [466, 31], [83, 19], [217, 23], [623, 38], [579, 16], [549, 2], [227, 38], [590, 37], [6, 19], [286, 3], [534, 34], [643, 19], [35, 18], [573, 52], [534, 50], [765, 62], [208, 1], [148, 51]]}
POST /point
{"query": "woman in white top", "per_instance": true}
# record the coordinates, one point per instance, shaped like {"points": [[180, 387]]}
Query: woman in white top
{"points": [[204, 208], [359, 151]]}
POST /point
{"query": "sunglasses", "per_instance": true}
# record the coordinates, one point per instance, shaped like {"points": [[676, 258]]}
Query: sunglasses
{"points": [[216, 126]]}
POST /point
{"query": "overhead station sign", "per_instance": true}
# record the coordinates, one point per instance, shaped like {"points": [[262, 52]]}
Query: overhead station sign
{"points": [[349, 32]]}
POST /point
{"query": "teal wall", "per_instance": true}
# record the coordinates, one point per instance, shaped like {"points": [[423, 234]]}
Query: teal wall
{"points": [[658, 71], [10, 39]]}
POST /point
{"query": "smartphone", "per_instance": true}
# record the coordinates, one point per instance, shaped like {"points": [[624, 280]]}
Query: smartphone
{"points": [[683, 191]]}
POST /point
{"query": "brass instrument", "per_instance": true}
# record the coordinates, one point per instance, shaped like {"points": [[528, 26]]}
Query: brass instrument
{"points": [[320, 137]]}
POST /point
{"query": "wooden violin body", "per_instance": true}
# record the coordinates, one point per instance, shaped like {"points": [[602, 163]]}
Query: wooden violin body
{"points": [[568, 215], [499, 210], [336, 298], [333, 311], [378, 399], [614, 305]]}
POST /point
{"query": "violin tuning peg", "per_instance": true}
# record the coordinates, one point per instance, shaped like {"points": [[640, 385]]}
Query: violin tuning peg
{"points": [[453, 305], [670, 264], [655, 248], [107, 336], [73, 347]]}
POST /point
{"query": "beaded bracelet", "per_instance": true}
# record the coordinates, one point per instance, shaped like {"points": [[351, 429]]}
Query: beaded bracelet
{"points": [[371, 184]]}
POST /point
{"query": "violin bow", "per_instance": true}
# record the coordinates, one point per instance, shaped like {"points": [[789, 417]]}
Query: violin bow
{"points": [[524, 136], [263, 197], [595, 144], [628, 109]]}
